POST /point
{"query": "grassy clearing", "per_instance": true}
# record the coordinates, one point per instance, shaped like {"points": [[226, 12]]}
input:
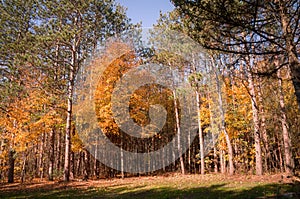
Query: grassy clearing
{"points": [[174, 186]]}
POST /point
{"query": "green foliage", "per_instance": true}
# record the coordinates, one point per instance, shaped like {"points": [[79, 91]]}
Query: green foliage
{"points": [[43, 44]]}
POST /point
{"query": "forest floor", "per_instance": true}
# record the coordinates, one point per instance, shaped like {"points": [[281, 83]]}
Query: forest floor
{"points": [[167, 186]]}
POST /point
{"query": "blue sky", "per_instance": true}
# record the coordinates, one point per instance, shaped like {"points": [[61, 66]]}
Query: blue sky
{"points": [[146, 11]]}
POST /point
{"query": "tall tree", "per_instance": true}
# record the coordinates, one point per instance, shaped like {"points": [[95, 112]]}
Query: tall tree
{"points": [[265, 27], [222, 115], [78, 27], [289, 162], [16, 51]]}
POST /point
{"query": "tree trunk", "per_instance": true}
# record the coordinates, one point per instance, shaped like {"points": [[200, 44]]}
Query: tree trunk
{"points": [[68, 133], [122, 158], [96, 161], [201, 138], [72, 165], [258, 156], [11, 166], [288, 163], [222, 161], [263, 128], [295, 70], [36, 161], [215, 156], [51, 155], [230, 151], [291, 49], [58, 152], [69, 112], [223, 125], [280, 156], [178, 133], [79, 163], [23, 173], [2, 147], [189, 151], [213, 132], [86, 165], [41, 156]]}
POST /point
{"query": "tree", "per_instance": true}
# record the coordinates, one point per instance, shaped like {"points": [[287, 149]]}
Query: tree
{"points": [[238, 120], [78, 27], [140, 104], [267, 28], [16, 49], [256, 124], [216, 70], [289, 163]]}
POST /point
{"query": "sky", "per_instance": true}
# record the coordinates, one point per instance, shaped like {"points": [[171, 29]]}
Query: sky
{"points": [[146, 11]]}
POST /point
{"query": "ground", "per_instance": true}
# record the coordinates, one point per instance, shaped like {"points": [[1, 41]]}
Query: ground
{"points": [[167, 186]]}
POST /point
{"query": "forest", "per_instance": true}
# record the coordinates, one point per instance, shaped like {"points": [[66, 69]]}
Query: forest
{"points": [[238, 111]]}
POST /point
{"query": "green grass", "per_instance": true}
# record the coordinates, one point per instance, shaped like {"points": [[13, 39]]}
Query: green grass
{"points": [[191, 186]]}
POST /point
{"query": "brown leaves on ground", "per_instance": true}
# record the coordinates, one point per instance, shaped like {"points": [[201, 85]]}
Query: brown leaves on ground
{"points": [[180, 181]]}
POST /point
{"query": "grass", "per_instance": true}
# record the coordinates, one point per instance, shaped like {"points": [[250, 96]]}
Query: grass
{"points": [[174, 186]]}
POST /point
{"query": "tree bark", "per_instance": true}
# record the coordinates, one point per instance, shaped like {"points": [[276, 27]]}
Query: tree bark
{"points": [[86, 170], [223, 125], [280, 156], [79, 163], [68, 127], [189, 151], [263, 127], [69, 109], [215, 159], [295, 70], [58, 152], [215, 156], [96, 161], [23, 173], [222, 161], [41, 156], [255, 111], [11, 164], [294, 66], [291, 49], [51, 155], [288, 163], [72, 165], [122, 158], [201, 139], [178, 133]]}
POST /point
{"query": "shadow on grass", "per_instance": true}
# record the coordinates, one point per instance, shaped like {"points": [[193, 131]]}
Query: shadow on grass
{"points": [[215, 191], [219, 191]]}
